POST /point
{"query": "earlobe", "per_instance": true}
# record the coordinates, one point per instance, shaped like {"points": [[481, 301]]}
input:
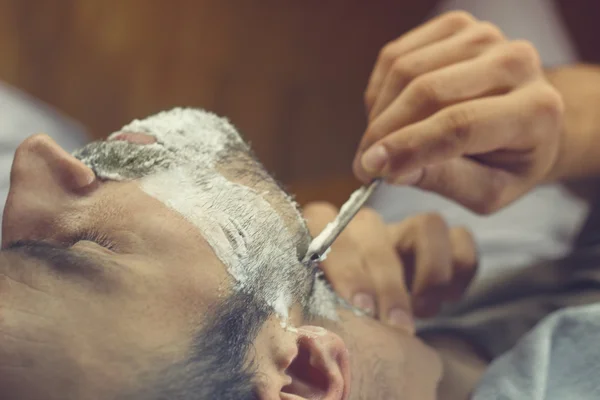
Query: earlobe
{"points": [[321, 367]]}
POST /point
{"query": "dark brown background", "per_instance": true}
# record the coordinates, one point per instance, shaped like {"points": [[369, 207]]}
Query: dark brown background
{"points": [[290, 74]]}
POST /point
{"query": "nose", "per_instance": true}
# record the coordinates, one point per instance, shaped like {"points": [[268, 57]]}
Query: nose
{"points": [[44, 181]]}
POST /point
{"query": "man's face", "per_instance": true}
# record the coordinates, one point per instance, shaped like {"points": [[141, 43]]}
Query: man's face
{"points": [[91, 315], [114, 269], [123, 270]]}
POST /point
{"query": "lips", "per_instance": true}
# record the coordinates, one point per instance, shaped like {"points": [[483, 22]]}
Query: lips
{"points": [[135, 138]]}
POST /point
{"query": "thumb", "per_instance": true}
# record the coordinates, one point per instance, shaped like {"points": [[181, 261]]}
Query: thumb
{"points": [[478, 187]]}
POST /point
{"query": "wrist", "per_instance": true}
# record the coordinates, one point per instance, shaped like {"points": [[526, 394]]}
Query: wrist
{"points": [[577, 153]]}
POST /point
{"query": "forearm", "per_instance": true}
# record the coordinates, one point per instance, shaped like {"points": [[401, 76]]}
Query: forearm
{"points": [[579, 151]]}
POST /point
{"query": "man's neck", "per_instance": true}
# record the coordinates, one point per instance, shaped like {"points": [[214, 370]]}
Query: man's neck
{"points": [[463, 366], [409, 364]]}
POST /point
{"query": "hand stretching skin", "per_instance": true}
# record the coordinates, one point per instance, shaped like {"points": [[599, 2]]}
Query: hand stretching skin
{"points": [[391, 270], [456, 108]]}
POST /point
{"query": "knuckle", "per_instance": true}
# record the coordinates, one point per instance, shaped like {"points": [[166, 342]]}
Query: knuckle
{"points": [[486, 32], [387, 54], [548, 104], [519, 57], [527, 51], [402, 71], [369, 97], [457, 125], [424, 91], [464, 242], [464, 234], [458, 19]]}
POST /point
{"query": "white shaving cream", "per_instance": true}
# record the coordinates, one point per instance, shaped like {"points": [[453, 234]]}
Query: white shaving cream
{"points": [[201, 168]]}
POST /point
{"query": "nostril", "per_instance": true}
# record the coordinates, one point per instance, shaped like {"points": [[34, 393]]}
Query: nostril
{"points": [[135, 138]]}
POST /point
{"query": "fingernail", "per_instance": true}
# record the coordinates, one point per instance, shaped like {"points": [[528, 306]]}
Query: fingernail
{"points": [[364, 302], [399, 317], [375, 159], [411, 178]]}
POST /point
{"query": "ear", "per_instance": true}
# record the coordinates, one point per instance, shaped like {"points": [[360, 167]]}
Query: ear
{"points": [[314, 365], [321, 368], [44, 178]]}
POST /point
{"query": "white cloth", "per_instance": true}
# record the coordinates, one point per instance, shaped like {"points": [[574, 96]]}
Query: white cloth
{"points": [[22, 116], [557, 360], [544, 223]]}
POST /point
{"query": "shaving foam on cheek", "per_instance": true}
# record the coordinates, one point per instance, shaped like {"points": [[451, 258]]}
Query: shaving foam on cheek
{"points": [[245, 232]]}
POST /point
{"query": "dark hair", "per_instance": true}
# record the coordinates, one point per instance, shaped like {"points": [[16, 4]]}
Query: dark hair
{"points": [[220, 365]]}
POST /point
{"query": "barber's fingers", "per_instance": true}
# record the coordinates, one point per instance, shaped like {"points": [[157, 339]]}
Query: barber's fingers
{"points": [[474, 185], [430, 32], [464, 261], [344, 266], [439, 261], [504, 134], [465, 45], [371, 236], [500, 70], [423, 243]]}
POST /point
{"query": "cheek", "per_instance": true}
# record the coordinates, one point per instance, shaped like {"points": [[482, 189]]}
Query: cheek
{"points": [[197, 284], [45, 340], [175, 287]]}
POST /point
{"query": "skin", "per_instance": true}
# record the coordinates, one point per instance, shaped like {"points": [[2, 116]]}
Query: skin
{"points": [[456, 108], [134, 298], [396, 270], [578, 158], [407, 269], [134, 306], [54, 317]]}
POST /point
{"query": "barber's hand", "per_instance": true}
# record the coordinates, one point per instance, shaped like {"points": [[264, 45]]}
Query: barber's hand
{"points": [[456, 108], [419, 263]]}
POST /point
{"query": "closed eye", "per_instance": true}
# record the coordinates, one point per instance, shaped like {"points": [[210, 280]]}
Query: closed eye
{"points": [[99, 238]]}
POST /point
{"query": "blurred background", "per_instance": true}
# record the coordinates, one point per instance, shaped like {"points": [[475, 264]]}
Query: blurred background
{"points": [[290, 74]]}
